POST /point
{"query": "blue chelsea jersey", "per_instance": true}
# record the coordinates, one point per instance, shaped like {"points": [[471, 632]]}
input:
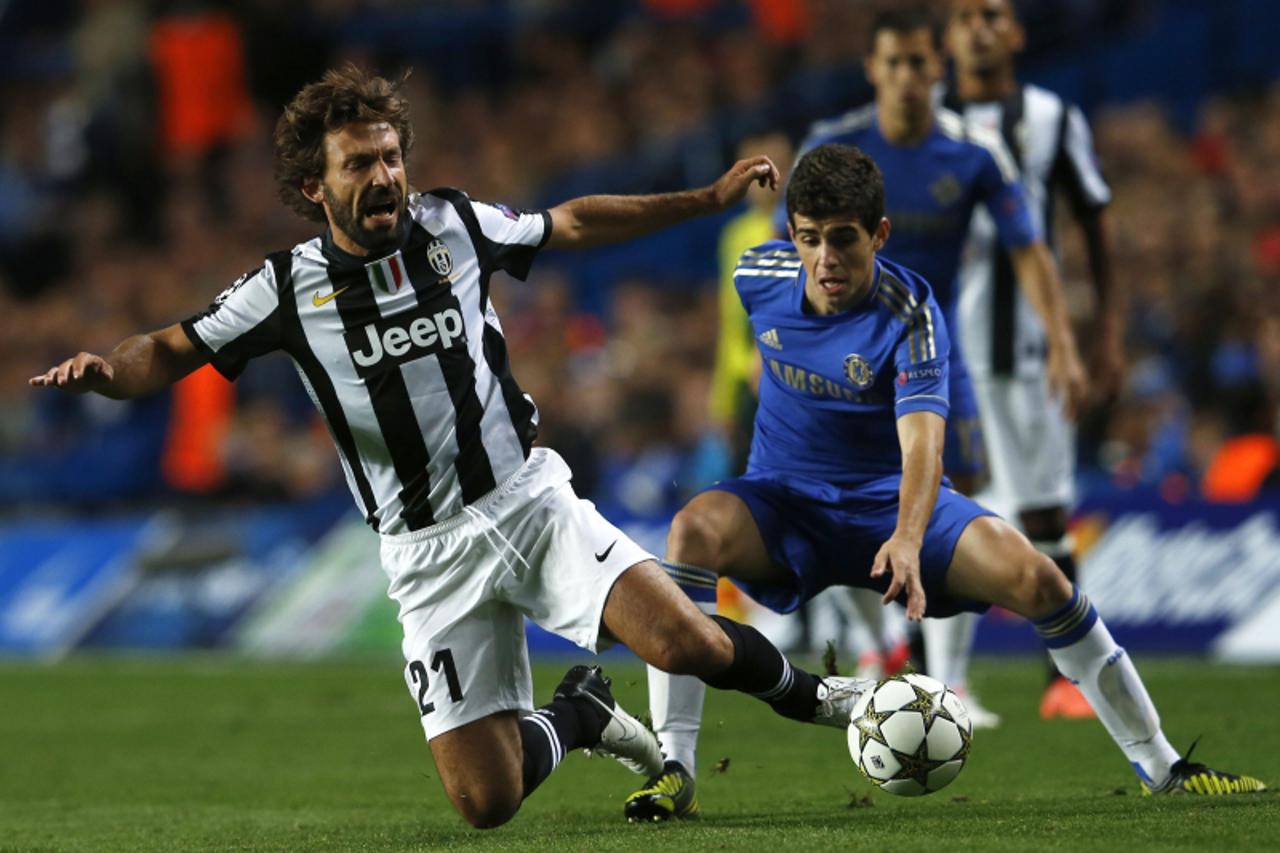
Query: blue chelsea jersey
{"points": [[834, 386], [931, 189]]}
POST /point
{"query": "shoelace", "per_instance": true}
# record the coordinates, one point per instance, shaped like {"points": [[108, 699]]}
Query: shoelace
{"points": [[1191, 749], [836, 693]]}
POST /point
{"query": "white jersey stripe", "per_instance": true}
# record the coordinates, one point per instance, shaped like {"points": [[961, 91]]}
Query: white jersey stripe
{"points": [[497, 428], [431, 397], [773, 273]]}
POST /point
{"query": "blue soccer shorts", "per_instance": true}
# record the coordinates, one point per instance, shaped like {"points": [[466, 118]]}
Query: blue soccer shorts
{"points": [[827, 536]]}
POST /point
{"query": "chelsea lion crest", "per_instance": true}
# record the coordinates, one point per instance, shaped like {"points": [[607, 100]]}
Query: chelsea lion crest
{"points": [[439, 258], [858, 370]]}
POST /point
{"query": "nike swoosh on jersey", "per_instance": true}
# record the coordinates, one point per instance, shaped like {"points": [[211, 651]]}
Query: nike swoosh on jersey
{"points": [[320, 301], [604, 555]]}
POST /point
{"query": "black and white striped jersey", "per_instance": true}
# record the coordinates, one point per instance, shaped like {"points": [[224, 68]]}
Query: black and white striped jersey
{"points": [[1000, 333], [403, 355]]}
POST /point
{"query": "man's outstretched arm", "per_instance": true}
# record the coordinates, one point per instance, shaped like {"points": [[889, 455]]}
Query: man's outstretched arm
{"points": [[140, 365], [596, 220]]}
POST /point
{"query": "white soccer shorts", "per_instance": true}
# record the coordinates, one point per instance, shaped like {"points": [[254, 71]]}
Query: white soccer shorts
{"points": [[530, 547], [1031, 446]]}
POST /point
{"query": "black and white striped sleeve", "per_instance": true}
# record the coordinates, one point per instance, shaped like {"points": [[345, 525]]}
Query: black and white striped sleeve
{"points": [[243, 322], [1076, 168], [512, 237]]}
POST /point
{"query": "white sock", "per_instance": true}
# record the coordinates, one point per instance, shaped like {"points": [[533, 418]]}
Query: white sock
{"points": [[1084, 652], [948, 644], [675, 701]]}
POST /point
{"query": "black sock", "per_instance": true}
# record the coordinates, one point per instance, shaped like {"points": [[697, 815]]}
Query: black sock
{"points": [[1067, 563], [549, 733], [759, 669]]}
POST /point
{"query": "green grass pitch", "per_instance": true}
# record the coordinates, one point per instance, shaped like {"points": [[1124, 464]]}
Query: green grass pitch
{"points": [[102, 754]]}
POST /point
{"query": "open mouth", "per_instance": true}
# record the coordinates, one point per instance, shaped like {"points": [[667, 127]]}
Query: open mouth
{"points": [[833, 286], [381, 214]]}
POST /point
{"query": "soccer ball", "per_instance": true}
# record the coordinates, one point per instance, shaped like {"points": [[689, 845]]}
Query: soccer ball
{"points": [[910, 735]]}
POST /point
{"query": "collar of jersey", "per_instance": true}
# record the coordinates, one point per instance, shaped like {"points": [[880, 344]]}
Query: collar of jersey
{"points": [[341, 258]]}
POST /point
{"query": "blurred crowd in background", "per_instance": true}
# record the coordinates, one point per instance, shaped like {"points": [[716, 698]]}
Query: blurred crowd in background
{"points": [[135, 185]]}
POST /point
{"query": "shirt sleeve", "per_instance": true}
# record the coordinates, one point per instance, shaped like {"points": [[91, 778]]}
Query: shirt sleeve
{"points": [[242, 323], [1076, 167], [512, 237], [921, 359]]}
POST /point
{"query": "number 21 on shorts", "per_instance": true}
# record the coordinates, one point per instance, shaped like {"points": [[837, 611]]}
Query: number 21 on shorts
{"points": [[417, 670]]}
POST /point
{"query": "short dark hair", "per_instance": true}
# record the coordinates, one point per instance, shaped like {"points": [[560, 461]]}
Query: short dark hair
{"points": [[905, 19], [342, 96], [835, 180]]}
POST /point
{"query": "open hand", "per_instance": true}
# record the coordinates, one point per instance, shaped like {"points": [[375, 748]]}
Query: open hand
{"points": [[902, 558], [80, 374], [730, 187], [1066, 377]]}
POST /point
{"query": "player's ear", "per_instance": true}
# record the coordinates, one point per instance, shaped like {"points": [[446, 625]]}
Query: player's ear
{"points": [[869, 69], [312, 191], [1017, 36], [881, 236]]}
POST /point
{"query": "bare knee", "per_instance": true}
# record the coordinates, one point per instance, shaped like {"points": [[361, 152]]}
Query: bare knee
{"points": [[1041, 587], [695, 538], [486, 810]]}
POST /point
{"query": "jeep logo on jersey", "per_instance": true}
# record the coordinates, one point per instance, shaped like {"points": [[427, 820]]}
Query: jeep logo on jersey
{"points": [[439, 257], [858, 370], [403, 337]]}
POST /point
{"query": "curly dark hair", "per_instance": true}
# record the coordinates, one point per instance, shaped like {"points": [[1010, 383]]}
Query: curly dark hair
{"points": [[835, 180], [342, 96]]}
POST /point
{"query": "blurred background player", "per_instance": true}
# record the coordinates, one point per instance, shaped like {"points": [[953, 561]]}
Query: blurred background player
{"points": [[937, 174], [1030, 441]]}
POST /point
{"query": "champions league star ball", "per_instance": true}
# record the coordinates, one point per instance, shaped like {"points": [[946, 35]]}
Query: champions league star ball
{"points": [[910, 735]]}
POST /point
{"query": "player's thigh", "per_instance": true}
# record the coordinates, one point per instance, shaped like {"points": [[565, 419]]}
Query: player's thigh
{"points": [[717, 531], [481, 767], [464, 648], [994, 563], [654, 618]]}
